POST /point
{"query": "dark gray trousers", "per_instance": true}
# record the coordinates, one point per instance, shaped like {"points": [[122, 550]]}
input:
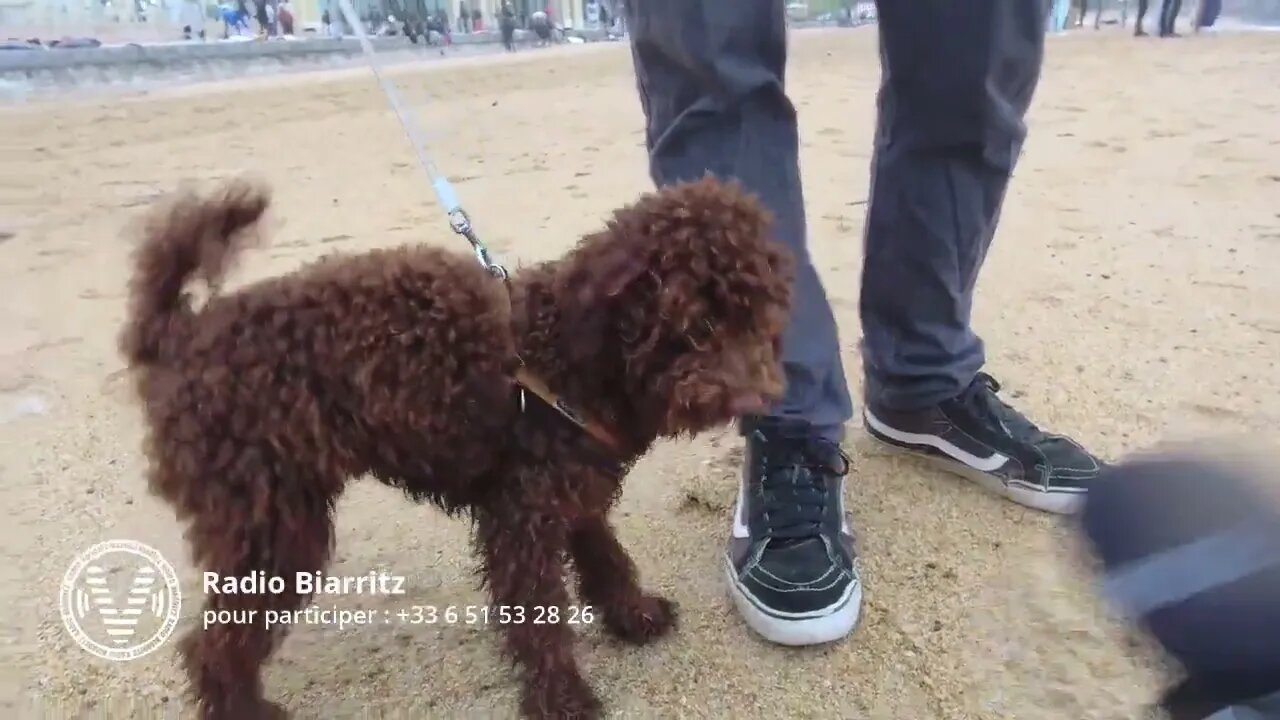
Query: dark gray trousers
{"points": [[957, 79]]}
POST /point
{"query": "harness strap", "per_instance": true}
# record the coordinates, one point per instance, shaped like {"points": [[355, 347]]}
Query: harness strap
{"points": [[598, 432]]}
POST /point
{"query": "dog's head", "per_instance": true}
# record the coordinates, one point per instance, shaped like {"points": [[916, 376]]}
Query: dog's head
{"points": [[681, 303]]}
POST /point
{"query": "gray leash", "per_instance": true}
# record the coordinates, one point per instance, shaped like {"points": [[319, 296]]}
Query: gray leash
{"points": [[459, 221], [461, 224]]}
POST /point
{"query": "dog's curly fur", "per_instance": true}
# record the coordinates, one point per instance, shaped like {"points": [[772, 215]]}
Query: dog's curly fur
{"points": [[262, 404]]}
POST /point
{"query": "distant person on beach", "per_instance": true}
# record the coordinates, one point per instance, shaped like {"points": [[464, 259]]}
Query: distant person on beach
{"points": [[541, 26], [190, 15], [1084, 14], [1169, 10], [233, 20], [261, 17], [446, 31], [438, 30], [477, 20], [1059, 12], [464, 18], [956, 82], [1207, 14], [285, 16], [507, 25]]}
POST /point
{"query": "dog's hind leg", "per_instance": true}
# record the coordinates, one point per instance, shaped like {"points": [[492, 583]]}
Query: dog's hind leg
{"points": [[523, 557], [262, 526], [607, 581]]}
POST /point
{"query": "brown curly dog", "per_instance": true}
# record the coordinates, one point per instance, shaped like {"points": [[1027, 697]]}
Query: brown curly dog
{"points": [[263, 403]]}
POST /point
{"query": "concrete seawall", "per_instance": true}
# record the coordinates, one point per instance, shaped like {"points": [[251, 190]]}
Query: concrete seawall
{"points": [[41, 72]]}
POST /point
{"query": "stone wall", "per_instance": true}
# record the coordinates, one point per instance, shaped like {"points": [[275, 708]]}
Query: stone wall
{"points": [[27, 73]]}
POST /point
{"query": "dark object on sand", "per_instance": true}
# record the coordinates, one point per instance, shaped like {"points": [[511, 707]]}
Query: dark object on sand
{"points": [[540, 24], [1209, 12], [1191, 550], [75, 43]]}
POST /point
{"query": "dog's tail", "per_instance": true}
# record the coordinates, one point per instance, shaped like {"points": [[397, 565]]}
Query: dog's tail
{"points": [[192, 236]]}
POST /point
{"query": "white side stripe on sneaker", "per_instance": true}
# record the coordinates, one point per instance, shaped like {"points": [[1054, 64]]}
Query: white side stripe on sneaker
{"points": [[740, 529], [987, 464]]}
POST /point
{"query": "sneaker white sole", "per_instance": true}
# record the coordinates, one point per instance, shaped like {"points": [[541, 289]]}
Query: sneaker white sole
{"points": [[815, 628], [1032, 496]]}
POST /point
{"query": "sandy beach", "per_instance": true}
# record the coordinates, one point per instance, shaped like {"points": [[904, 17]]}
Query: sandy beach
{"points": [[1130, 297]]}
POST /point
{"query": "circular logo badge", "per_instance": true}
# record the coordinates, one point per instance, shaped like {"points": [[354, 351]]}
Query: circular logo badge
{"points": [[120, 600]]}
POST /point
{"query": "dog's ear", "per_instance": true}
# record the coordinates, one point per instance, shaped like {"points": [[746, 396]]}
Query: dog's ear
{"points": [[709, 388], [593, 285], [608, 275]]}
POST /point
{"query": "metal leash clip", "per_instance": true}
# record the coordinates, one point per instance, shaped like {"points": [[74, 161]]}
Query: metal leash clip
{"points": [[461, 224], [448, 200]]}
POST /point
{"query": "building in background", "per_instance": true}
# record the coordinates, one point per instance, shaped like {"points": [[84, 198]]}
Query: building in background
{"points": [[13, 14]]}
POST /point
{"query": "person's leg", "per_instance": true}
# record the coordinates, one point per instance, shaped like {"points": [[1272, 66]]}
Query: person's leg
{"points": [[1169, 10], [1137, 23], [957, 80], [710, 77]]}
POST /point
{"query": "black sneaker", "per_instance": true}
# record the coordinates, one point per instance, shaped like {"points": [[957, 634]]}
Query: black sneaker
{"points": [[978, 436], [791, 564]]}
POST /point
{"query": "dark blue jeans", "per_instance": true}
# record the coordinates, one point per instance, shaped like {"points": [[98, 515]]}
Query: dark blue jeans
{"points": [[957, 81]]}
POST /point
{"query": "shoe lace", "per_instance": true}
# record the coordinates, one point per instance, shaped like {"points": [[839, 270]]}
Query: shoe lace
{"points": [[981, 398], [795, 474]]}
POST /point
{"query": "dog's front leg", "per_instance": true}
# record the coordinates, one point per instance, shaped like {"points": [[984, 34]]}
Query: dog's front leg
{"points": [[523, 550], [607, 580]]}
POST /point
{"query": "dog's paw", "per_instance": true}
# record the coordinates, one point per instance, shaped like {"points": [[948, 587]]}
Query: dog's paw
{"points": [[572, 699], [272, 711], [245, 710], [643, 621]]}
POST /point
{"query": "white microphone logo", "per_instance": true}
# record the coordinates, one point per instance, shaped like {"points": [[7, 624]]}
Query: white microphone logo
{"points": [[120, 600]]}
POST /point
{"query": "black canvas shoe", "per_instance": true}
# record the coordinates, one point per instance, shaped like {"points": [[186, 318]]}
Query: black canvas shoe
{"points": [[791, 564], [978, 436]]}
